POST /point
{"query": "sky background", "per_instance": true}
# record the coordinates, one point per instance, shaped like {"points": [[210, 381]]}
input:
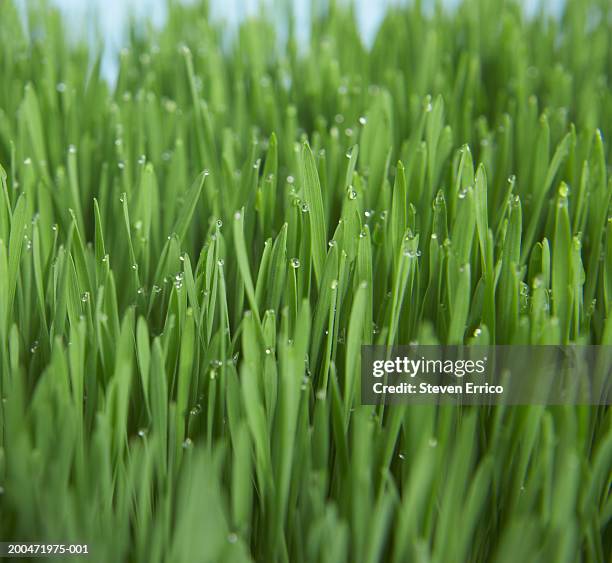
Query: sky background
{"points": [[112, 17]]}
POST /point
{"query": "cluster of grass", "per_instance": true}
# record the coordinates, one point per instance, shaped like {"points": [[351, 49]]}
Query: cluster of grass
{"points": [[191, 259]]}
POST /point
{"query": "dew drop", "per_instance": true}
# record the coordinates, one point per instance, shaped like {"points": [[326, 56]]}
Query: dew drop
{"points": [[295, 263]]}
